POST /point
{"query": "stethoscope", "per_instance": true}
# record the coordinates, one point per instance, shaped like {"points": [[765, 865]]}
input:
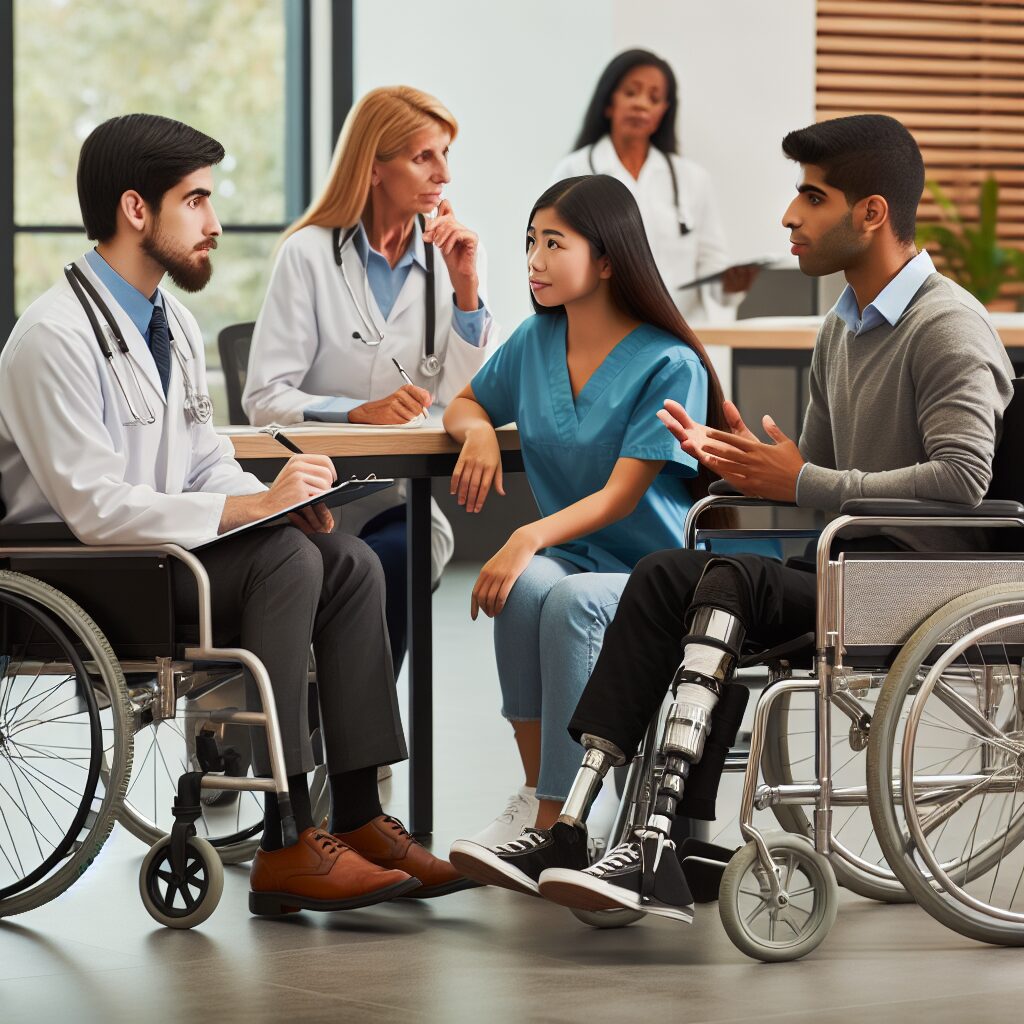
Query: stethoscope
{"points": [[430, 365], [684, 228], [198, 408]]}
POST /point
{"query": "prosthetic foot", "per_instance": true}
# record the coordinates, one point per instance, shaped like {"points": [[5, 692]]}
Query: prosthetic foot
{"points": [[644, 873], [519, 864]]}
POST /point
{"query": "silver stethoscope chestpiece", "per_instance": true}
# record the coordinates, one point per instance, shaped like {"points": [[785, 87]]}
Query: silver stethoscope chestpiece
{"points": [[430, 366]]}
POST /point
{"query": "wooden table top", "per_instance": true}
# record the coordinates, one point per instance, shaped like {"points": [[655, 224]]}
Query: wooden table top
{"points": [[343, 440], [799, 332]]}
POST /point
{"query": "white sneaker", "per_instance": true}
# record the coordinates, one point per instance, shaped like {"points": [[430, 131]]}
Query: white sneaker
{"points": [[520, 812]]}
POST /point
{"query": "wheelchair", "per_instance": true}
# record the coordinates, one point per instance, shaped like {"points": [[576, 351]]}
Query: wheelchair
{"points": [[888, 745], [122, 713]]}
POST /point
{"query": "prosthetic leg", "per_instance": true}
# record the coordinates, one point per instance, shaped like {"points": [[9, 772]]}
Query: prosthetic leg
{"points": [[635, 874]]}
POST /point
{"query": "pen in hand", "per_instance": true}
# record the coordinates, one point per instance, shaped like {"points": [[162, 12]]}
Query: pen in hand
{"points": [[288, 443], [401, 369], [408, 380]]}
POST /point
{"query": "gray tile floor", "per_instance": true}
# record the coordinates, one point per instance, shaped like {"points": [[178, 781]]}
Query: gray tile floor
{"points": [[94, 954]]}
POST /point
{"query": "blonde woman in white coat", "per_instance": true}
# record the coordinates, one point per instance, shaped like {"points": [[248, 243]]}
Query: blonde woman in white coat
{"points": [[358, 279], [629, 132]]}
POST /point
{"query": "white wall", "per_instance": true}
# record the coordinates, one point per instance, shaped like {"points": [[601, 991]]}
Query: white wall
{"points": [[518, 76], [746, 77]]}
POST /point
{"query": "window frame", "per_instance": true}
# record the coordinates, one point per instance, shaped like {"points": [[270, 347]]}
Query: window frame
{"points": [[298, 131]]}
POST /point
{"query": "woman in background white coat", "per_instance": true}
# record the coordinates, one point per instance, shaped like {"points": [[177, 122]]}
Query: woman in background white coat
{"points": [[629, 132]]}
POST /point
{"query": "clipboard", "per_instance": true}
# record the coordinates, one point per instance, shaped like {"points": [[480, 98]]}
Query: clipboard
{"points": [[339, 494], [761, 262]]}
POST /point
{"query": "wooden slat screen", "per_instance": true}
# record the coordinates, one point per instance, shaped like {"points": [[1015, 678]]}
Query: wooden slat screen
{"points": [[953, 73]]}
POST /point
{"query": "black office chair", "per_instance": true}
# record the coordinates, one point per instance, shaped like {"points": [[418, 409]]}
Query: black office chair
{"points": [[234, 343]]}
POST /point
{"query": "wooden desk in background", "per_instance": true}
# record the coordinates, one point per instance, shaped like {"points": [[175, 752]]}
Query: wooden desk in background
{"points": [[417, 454], [772, 356]]}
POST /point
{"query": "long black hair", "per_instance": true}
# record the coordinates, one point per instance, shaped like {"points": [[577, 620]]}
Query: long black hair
{"points": [[602, 209], [596, 123]]}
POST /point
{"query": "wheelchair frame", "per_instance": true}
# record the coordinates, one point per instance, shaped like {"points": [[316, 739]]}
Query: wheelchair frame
{"points": [[827, 679], [176, 678]]}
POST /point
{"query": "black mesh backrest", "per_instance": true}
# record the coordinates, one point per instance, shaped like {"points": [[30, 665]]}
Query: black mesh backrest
{"points": [[234, 343], [1008, 465]]}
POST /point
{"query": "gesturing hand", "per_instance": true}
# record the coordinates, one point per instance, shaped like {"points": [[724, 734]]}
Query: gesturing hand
{"points": [[754, 468]]}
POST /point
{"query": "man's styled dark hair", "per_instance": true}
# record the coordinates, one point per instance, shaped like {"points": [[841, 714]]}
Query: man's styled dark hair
{"points": [[142, 152], [866, 155], [596, 122]]}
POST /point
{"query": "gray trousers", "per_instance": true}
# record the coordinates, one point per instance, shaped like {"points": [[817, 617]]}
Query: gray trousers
{"points": [[273, 592]]}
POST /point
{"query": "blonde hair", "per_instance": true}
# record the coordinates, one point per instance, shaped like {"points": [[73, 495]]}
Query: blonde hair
{"points": [[377, 128]]}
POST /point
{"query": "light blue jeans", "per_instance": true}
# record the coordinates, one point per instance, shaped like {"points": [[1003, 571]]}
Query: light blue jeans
{"points": [[546, 641]]}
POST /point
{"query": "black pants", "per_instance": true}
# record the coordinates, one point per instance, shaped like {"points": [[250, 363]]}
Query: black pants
{"points": [[274, 592], [642, 644]]}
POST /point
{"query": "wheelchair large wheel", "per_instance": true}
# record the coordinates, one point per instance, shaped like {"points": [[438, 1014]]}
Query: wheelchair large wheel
{"points": [[789, 757], [960, 779], [61, 690], [787, 927], [231, 821]]}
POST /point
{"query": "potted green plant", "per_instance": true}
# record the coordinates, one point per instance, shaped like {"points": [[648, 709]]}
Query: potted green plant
{"points": [[970, 253]]}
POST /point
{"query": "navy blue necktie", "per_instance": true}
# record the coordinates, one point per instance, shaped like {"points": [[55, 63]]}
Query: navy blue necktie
{"points": [[160, 345]]}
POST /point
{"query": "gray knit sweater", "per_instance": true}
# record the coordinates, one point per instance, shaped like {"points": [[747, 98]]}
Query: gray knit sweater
{"points": [[911, 411]]}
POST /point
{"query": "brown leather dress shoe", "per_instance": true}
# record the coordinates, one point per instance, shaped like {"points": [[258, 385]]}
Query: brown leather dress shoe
{"points": [[384, 841], [320, 873]]}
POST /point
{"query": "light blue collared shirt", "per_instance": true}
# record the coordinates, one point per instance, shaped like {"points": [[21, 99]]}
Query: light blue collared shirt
{"points": [[386, 282], [890, 303], [127, 296]]}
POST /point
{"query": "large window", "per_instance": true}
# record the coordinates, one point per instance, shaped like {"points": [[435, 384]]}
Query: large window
{"points": [[237, 70]]}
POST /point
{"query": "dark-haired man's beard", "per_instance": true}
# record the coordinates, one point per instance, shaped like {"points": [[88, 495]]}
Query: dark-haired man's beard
{"points": [[839, 248], [184, 269]]}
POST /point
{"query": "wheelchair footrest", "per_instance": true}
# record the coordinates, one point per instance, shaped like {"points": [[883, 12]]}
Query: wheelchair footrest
{"points": [[703, 865]]}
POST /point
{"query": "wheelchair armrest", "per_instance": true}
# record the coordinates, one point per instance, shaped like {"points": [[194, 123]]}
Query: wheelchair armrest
{"points": [[37, 533], [896, 507], [721, 488]]}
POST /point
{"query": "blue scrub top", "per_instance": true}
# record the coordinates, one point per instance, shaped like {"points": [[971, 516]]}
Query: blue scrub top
{"points": [[570, 446]]}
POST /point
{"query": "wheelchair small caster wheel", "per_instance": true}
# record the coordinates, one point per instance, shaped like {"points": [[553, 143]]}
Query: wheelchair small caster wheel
{"points": [[181, 901], [787, 926], [607, 918]]}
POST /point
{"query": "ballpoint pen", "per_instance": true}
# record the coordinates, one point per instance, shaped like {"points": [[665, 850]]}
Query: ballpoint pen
{"points": [[401, 369], [278, 435]]}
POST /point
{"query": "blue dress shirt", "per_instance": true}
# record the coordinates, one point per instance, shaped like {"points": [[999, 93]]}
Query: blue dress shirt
{"points": [[127, 296]]}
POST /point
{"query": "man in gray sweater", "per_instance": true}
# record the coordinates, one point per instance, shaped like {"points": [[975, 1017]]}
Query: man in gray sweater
{"points": [[909, 382]]}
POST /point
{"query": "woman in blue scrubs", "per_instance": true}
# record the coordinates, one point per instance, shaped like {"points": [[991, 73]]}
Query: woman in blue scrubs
{"points": [[584, 380]]}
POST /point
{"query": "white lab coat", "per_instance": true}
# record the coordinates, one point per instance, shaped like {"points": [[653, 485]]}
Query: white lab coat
{"points": [[303, 350], [69, 450], [680, 258]]}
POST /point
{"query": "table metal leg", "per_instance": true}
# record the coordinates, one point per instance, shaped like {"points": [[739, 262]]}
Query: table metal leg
{"points": [[421, 678]]}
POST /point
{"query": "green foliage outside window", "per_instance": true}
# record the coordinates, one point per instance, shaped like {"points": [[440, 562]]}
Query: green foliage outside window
{"points": [[219, 66]]}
